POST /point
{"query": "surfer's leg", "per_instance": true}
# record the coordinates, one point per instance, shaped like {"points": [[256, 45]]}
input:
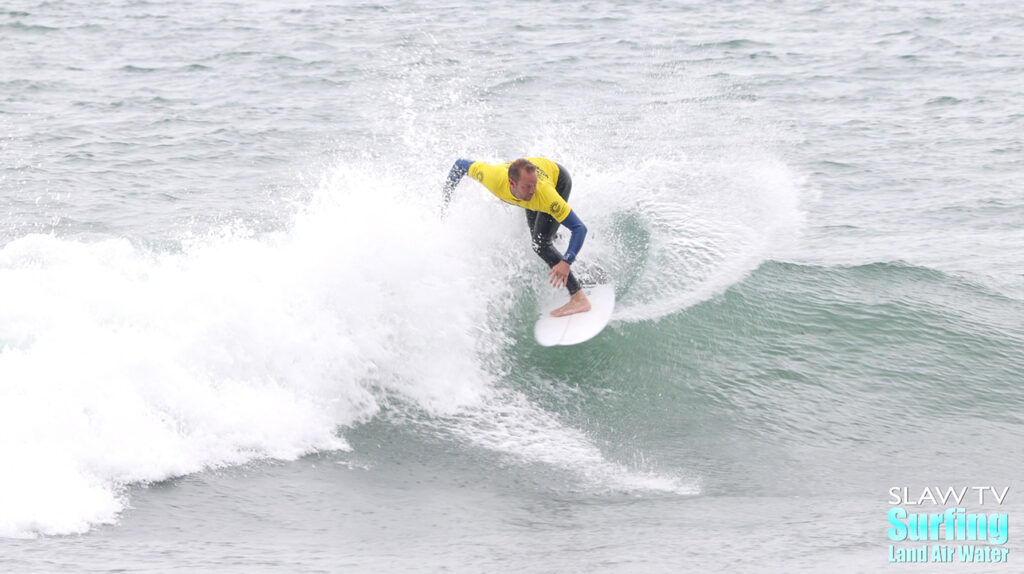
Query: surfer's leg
{"points": [[578, 302], [542, 231]]}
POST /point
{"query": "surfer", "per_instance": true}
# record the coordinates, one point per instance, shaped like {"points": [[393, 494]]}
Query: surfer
{"points": [[541, 187]]}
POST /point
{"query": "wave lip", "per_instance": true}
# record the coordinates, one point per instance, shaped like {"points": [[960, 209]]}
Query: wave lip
{"points": [[123, 366]]}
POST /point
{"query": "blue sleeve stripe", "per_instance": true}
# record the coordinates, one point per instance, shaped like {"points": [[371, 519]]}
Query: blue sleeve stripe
{"points": [[458, 170], [579, 233]]}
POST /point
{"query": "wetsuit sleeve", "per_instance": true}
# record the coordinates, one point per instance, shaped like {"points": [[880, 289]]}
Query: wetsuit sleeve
{"points": [[459, 169], [579, 233]]}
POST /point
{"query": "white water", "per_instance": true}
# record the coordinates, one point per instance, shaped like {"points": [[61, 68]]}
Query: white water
{"points": [[124, 365]]}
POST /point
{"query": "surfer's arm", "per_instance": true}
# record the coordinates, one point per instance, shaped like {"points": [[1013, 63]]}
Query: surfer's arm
{"points": [[579, 233], [459, 169]]}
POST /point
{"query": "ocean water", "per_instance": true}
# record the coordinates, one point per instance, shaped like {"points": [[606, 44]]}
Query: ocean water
{"points": [[235, 336]]}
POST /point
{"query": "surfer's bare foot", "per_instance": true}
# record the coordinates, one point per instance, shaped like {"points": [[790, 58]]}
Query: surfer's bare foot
{"points": [[578, 303]]}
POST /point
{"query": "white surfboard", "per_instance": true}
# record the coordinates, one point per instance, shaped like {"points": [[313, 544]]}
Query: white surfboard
{"points": [[574, 329]]}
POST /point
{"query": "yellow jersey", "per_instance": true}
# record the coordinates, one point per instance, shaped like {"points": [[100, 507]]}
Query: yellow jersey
{"points": [[547, 200]]}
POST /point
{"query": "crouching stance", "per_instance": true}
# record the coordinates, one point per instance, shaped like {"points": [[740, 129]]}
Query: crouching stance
{"points": [[541, 187]]}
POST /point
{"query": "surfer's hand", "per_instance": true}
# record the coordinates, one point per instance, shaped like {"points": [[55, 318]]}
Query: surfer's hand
{"points": [[559, 274]]}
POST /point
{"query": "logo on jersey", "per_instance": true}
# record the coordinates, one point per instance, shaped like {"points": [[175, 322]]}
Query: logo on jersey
{"points": [[479, 176], [556, 208]]}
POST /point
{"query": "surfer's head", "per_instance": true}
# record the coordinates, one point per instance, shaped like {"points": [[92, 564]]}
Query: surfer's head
{"points": [[522, 179]]}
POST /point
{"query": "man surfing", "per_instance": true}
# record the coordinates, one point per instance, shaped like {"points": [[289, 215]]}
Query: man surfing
{"points": [[541, 187]]}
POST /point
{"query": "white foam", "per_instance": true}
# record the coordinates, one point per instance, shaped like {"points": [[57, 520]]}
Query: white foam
{"points": [[120, 365], [710, 223]]}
